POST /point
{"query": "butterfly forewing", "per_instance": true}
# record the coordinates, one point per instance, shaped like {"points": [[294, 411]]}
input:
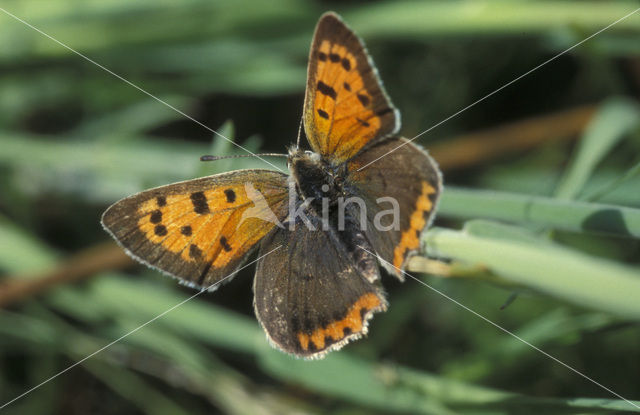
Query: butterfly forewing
{"points": [[200, 230], [345, 106]]}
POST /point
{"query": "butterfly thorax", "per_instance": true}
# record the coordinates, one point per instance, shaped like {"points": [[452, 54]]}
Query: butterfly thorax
{"points": [[318, 181], [315, 177]]}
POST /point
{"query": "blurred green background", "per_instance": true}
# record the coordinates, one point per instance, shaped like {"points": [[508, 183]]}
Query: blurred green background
{"points": [[538, 229]]}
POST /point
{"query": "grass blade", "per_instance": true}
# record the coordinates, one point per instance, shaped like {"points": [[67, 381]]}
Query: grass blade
{"points": [[546, 267], [544, 211], [610, 124]]}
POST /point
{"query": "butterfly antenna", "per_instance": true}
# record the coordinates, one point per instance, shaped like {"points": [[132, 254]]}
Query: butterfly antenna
{"points": [[299, 133], [233, 156]]}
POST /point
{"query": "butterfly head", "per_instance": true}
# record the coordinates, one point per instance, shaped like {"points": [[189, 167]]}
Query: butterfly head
{"points": [[314, 176], [295, 153]]}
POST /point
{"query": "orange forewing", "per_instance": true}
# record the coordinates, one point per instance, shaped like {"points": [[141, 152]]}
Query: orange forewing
{"points": [[346, 106], [200, 230]]}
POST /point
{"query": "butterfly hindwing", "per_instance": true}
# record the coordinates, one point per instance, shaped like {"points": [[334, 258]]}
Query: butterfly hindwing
{"points": [[405, 173], [345, 106], [200, 230], [309, 296]]}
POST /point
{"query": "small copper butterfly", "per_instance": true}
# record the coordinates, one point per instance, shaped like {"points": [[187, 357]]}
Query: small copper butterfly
{"points": [[360, 198]]}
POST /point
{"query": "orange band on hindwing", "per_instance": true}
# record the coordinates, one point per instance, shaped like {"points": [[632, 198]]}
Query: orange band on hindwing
{"points": [[353, 322], [410, 239]]}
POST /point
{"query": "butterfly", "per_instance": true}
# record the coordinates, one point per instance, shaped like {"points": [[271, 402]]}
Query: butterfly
{"points": [[359, 199]]}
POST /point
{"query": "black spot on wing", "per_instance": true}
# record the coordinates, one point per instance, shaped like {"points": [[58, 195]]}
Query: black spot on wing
{"points": [[347, 86], [161, 201], [327, 90], [364, 100], [156, 216], [225, 244], [323, 114], [334, 57], [186, 230], [322, 56], [199, 201], [328, 341], [231, 195], [363, 313], [363, 122], [346, 64], [195, 252], [160, 230]]}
